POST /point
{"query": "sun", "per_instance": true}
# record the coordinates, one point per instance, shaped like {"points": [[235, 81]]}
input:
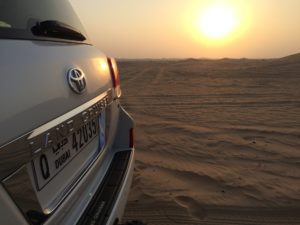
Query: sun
{"points": [[218, 21]]}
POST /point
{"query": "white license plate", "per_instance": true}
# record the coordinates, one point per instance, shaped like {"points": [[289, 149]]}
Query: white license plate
{"points": [[48, 164]]}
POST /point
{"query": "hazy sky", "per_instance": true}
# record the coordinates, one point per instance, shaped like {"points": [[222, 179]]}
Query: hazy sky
{"points": [[172, 28]]}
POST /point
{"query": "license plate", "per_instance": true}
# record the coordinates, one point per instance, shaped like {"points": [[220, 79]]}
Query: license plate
{"points": [[48, 164]]}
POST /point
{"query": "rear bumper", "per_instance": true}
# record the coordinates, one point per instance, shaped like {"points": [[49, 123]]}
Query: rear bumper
{"points": [[107, 205], [121, 199]]}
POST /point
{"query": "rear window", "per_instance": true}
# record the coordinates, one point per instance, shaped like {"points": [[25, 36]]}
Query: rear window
{"points": [[18, 17]]}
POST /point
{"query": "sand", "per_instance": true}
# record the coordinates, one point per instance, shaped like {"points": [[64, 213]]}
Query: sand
{"points": [[217, 141]]}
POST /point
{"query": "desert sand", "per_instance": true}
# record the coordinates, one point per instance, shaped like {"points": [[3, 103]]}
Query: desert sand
{"points": [[217, 141]]}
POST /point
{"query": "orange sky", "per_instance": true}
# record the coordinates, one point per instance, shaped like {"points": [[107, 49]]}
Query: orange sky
{"points": [[170, 28]]}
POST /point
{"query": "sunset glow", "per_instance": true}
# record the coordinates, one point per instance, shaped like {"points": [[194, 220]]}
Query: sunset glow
{"points": [[193, 28], [217, 21]]}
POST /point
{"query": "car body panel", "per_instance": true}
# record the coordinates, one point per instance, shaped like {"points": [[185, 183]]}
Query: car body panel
{"points": [[9, 212], [35, 89]]}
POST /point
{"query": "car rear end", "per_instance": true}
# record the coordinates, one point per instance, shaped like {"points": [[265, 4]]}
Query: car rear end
{"points": [[66, 143]]}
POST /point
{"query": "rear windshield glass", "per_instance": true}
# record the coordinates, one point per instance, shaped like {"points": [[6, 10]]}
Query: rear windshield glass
{"points": [[18, 17]]}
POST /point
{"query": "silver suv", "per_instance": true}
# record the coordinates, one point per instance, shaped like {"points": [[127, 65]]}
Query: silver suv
{"points": [[66, 144]]}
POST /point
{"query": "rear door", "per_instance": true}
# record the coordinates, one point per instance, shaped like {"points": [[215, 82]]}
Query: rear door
{"points": [[54, 95]]}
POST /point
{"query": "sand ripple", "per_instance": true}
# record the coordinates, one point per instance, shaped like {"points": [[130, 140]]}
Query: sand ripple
{"points": [[218, 142]]}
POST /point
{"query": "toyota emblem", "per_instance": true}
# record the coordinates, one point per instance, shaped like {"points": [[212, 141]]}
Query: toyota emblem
{"points": [[76, 79]]}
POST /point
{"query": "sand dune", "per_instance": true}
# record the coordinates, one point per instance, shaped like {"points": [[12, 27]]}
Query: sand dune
{"points": [[218, 141]]}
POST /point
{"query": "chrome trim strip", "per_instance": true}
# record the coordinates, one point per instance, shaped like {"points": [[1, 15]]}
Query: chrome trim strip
{"points": [[65, 117]]}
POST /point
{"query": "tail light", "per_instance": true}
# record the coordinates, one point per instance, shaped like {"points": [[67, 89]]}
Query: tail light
{"points": [[131, 138], [114, 75]]}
